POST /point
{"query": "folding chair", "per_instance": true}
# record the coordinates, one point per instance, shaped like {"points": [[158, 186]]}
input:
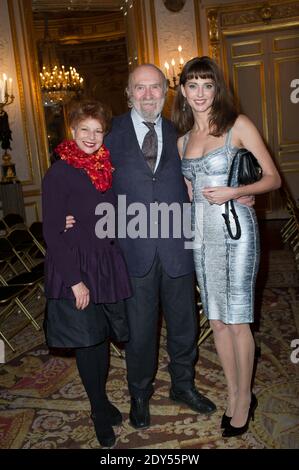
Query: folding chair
{"points": [[13, 220], [36, 231], [30, 281], [23, 245], [116, 350], [8, 296], [3, 228], [8, 260]]}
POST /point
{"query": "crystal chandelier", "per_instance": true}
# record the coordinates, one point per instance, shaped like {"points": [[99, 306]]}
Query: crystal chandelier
{"points": [[58, 84]]}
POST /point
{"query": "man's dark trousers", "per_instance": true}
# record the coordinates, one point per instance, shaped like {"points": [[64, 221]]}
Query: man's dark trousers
{"points": [[178, 306]]}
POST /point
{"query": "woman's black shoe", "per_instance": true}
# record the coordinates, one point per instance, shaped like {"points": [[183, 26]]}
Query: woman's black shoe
{"points": [[231, 431], [225, 421], [104, 431], [115, 415]]}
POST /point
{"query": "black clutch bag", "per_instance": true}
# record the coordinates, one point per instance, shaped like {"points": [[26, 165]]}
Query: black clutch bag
{"points": [[247, 170]]}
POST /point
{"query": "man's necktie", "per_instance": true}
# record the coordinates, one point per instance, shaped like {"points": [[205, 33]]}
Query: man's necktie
{"points": [[150, 145]]}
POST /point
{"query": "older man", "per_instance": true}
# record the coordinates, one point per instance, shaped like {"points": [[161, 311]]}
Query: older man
{"points": [[143, 147]]}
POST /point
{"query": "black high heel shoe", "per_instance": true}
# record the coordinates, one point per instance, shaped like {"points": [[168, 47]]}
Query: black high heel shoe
{"points": [[232, 431], [225, 421], [104, 431]]}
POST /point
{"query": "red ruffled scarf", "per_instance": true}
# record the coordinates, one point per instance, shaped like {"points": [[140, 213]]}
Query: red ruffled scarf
{"points": [[97, 165]]}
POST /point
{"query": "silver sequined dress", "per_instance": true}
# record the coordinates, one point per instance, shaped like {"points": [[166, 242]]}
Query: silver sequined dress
{"points": [[226, 269]]}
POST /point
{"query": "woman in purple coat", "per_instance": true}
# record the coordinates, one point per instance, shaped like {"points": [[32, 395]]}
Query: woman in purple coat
{"points": [[85, 277]]}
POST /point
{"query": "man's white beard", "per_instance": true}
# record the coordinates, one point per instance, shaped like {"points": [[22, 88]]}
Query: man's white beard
{"points": [[149, 115]]}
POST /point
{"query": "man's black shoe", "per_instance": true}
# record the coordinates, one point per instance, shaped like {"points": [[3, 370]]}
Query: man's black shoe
{"points": [[195, 400], [139, 413]]}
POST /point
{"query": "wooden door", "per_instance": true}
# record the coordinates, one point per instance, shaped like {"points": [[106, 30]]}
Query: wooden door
{"points": [[263, 68]]}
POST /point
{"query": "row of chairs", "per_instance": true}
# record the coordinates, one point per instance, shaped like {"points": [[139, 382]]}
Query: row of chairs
{"points": [[22, 251]]}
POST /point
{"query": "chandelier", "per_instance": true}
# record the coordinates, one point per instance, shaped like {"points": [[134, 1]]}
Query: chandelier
{"points": [[58, 84]]}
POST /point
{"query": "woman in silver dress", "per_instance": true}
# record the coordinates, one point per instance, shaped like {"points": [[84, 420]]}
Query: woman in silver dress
{"points": [[212, 131]]}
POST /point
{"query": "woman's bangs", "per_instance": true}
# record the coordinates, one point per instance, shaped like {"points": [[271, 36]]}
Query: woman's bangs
{"points": [[199, 72]]}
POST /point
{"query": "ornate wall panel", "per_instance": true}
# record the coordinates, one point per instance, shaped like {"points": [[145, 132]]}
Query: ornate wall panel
{"points": [[244, 74], [18, 60], [174, 29], [78, 29], [20, 152]]}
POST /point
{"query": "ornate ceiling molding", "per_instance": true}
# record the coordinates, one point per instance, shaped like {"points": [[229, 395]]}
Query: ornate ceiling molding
{"points": [[258, 13], [89, 29], [75, 5]]}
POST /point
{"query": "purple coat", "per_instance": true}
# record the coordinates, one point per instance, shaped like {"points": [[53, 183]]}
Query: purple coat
{"points": [[78, 254]]}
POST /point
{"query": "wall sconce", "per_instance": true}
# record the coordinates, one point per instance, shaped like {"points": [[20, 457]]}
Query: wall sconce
{"points": [[6, 98], [126, 5], [173, 71]]}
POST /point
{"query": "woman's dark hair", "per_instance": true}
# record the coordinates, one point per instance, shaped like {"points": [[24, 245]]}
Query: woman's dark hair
{"points": [[223, 111], [83, 109]]}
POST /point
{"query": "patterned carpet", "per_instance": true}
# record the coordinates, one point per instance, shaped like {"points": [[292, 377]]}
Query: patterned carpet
{"points": [[43, 404]]}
